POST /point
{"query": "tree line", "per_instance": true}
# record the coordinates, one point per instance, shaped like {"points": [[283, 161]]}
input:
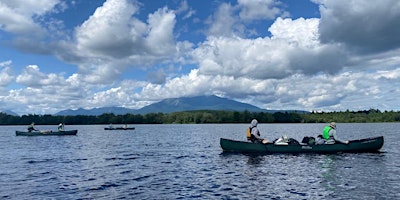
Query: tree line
{"points": [[207, 116]]}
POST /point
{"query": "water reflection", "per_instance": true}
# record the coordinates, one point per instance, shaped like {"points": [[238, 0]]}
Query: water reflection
{"points": [[254, 160], [328, 172]]}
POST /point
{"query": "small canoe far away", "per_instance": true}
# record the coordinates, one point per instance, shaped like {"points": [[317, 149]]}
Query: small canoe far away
{"points": [[119, 128], [45, 133], [354, 146], [124, 127]]}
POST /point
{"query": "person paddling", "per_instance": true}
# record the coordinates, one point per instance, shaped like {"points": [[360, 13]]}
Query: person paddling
{"points": [[61, 127], [31, 127], [255, 135], [329, 134]]}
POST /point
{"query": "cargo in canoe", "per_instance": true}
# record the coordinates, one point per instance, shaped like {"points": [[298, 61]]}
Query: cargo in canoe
{"points": [[354, 146], [45, 133]]}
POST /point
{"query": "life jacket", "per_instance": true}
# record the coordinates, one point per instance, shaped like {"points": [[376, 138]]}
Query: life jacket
{"points": [[248, 133], [325, 132]]}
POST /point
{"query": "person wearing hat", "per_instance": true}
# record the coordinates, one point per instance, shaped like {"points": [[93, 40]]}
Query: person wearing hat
{"points": [[329, 134], [255, 133]]}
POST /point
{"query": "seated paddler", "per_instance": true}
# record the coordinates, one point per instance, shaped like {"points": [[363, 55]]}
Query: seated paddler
{"points": [[60, 127], [31, 127], [254, 134], [330, 136]]}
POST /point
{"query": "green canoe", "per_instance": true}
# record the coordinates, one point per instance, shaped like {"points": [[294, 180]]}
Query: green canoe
{"points": [[363, 145], [45, 133]]}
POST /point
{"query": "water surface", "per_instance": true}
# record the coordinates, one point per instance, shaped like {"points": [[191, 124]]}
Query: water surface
{"points": [[186, 162]]}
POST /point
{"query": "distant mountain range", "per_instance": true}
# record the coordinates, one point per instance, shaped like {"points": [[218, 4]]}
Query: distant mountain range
{"points": [[172, 105], [96, 111]]}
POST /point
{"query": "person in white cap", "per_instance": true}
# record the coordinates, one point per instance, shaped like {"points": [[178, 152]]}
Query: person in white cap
{"points": [[61, 127], [255, 133], [329, 134]]}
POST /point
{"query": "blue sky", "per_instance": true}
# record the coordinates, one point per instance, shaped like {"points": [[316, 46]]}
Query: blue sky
{"points": [[325, 55]]}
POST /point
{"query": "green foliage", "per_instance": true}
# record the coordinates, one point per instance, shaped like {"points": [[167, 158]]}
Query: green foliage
{"points": [[365, 116], [207, 116]]}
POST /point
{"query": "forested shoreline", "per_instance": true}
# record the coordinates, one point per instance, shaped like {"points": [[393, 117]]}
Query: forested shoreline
{"points": [[207, 116]]}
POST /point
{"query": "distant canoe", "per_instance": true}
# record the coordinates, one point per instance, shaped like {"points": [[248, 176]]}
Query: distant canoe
{"points": [[45, 133], [119, 128], [354, 146]]}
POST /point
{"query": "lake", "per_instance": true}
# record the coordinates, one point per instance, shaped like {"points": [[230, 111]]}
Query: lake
{"points": [[186, 162]]}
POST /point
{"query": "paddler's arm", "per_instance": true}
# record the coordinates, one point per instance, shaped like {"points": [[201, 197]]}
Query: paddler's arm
{"points": [[338, 139]]}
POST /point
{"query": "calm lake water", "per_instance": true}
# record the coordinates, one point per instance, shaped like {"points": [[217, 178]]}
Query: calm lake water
{"points": [[186, 162]]}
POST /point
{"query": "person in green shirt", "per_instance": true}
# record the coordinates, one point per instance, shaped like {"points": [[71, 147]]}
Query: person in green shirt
{"points": [[330, 136]]}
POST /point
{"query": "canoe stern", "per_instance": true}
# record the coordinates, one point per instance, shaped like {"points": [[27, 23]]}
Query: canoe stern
{"points": [[241, 146]]}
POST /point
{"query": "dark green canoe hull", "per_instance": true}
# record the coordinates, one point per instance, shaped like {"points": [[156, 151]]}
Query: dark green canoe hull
{"points": [[354, 146], [45, 133]]}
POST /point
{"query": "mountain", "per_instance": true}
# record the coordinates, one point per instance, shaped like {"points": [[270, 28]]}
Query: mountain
{"points": [[197, 103], [96, 111], [171, 105], [9, 112]]}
